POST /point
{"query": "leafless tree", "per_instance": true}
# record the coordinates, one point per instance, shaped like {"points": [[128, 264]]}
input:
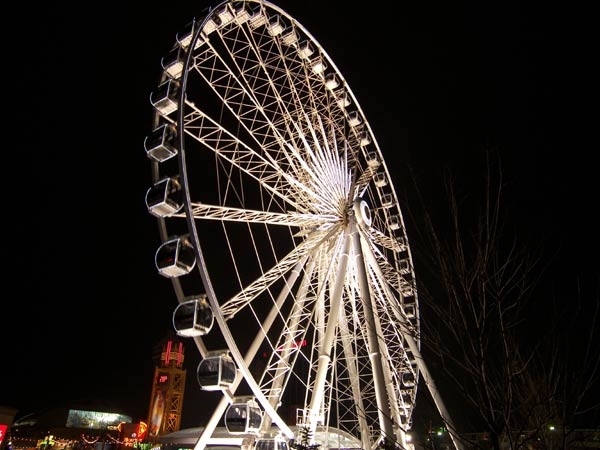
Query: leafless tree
{"points": [[563, 379], [477, 283]]}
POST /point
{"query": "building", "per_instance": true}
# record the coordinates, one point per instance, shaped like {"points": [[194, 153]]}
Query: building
{"points": [[168, 388]]}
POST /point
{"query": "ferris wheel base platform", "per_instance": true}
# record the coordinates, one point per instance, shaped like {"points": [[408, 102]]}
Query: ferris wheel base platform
{"points": [[333, 439]]}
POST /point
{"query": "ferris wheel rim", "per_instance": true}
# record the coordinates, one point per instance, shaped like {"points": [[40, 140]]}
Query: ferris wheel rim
{"points": [[189, 204]]}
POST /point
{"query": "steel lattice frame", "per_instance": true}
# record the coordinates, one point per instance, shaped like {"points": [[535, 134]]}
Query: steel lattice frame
{"points": [[296, 227]]}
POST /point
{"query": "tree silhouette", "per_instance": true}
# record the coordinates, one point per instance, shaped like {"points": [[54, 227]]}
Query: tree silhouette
{"points": [[477, 285]]}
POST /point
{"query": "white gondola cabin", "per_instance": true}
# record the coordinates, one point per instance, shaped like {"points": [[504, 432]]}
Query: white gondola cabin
{"points": [[289, 38], [305, 50], [400, 242], [184, 38], [387, 200], [409, 310], [242, 15], [173, 62], [164, 198], [165, 98], [404, 266], [394, 222], [342, 98], [372, 160], [331, 81], [365, 139], [216, 371], [354, 119], [193, 317], [318, 65], [380, 179], [210, 25], [161, 144], [276, 25], [407, 397], [243, 416], [225, 15], [271, 443], [257, 18], [175, 257], [408, 379]]}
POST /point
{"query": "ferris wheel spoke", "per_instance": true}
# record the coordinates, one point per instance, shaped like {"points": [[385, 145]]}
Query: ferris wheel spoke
{"points": [[394, 277], [234, 91], [394, 352], [202, 211], [230, 148], [237, 97], [397, 326], [364, 179], [287, 346], [352, 407], [383, 240], [242, 299], [325, 169], [266, 63], [295, 123]]}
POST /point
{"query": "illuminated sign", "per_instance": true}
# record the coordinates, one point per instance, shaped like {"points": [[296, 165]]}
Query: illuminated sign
{"points": [[142, 431], [157, 412], [163, 378], [170, 353], [95, 420], [3, 429]]}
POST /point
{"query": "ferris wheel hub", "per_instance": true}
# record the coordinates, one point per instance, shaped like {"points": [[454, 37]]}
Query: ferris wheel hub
{"points": [[362, 212]]}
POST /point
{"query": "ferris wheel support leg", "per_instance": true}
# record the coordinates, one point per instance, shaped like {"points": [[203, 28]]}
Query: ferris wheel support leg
{"points": [[430, 383], [266, 326], [225, 400], [242, 362], [383, 405], [210, 427], [327, 343]]}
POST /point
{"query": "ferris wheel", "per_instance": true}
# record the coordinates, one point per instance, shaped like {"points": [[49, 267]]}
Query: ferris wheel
{"points": [[282, 234]]}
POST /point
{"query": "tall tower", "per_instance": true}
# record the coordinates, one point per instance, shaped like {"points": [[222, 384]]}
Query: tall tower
{"points": [[166, 401]]}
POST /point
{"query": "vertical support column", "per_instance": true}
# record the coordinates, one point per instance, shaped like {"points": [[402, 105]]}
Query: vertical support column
{"points": [[414, 348], [327, 344], [435, 394], [383, 404], [254, 347]]}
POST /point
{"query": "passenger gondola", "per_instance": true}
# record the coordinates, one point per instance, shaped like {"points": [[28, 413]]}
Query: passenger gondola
{"points": [[161, 144], [175, 257], [193, 317], [243, 416], [216, 371], [164, 198], [271, 443], [165, 98]]}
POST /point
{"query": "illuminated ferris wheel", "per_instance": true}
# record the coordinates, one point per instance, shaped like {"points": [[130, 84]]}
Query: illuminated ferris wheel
{"points": [[282, 234]]}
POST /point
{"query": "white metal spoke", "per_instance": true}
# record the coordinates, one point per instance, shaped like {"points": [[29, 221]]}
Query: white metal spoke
{"points": [[381, 239], [276, 374], [250, 292], [224, 213], [230, 148]]}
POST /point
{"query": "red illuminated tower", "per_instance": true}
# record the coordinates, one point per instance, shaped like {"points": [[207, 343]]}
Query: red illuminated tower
{"points": [[166, 401]]}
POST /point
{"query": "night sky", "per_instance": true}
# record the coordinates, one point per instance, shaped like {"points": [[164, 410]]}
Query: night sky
{"points": [[83, 305]]}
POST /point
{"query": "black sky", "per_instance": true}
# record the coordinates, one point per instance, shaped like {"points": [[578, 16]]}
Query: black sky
{"points": [[83, 305]]}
